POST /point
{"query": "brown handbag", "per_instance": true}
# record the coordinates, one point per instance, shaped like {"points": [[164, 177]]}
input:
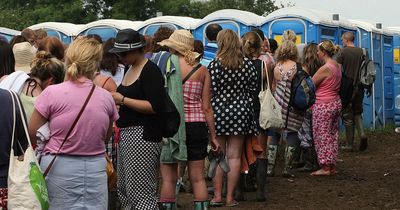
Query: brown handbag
{"points": [[111, 174], [70, 130]]}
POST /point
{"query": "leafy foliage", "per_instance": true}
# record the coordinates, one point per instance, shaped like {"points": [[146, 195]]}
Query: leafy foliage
{"points": [[18, 14]]}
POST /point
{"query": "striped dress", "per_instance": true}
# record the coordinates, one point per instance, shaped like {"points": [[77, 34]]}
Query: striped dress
{"points": [[282, 95]]}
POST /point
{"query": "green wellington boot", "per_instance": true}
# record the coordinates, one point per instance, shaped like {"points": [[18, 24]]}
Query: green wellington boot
{"points": [[289, 154], [272, 152], [167, 206], [349, 129], [201, 205], [360, 130]]}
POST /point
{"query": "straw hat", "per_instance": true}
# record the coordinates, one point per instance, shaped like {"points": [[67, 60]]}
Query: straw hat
{"points": [[24, 54], [183, 42]]}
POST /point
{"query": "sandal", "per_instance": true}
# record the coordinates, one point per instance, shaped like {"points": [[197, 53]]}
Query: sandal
{"points": [[232, 204], [216, 203]]}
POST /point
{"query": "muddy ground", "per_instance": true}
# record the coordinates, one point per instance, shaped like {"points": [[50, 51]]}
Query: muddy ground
{"points": [[367, 180]]}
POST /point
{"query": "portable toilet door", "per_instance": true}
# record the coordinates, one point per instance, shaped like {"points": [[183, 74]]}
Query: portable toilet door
{"points": [[66, 32], [8, 33], [150, 26], [238, 21], [108, 28], [396, 74], [388, 73], [310, 26]]}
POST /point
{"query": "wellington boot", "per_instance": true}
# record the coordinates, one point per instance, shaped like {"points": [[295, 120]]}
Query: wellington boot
{"points": [[272, 152], [360, 130], [349, 138], [261, 176], [289, 153], [201, 205]]}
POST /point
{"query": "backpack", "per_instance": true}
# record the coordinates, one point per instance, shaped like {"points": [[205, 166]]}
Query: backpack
{"points": [[302, 95], [367, 70]]}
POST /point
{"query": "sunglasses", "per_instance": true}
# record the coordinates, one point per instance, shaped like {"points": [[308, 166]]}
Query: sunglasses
{"points": [[121, 55]]}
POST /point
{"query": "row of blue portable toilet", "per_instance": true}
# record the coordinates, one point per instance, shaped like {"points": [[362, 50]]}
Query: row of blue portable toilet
{"points": [[310, 26]]}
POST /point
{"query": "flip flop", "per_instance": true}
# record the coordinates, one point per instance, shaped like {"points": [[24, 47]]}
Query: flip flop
{"points": [[232, 204], [216, 203]]}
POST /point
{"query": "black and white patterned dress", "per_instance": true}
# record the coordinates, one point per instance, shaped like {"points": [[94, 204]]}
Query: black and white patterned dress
{"points": [[232, 99]]}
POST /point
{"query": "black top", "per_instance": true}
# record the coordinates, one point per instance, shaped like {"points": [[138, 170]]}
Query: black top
{"points": [[6, 116], [149, 86], [257, 65]]}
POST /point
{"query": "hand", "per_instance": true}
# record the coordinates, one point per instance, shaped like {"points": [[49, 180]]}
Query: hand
{"points": [[215, 146], [117, 97], [369, 92]]}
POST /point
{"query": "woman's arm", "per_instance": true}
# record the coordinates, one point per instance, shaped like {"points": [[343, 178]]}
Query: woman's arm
{"points": [[208, 111], [142, 106], [36, 121], [320, 75], [109, 131]]}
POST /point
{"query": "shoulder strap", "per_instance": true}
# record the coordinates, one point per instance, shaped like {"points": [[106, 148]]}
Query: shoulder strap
{"points": [[105, 82], [70, 130], [197, 67]]}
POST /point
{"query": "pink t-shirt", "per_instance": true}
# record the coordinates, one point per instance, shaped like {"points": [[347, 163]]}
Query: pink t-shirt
{"points": [[329, 88], [60, 105]]}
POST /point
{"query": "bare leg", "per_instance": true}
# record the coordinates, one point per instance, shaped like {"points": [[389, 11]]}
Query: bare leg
{"points": [[234, 152], [219, 174], [169, 173], [196, 177]]}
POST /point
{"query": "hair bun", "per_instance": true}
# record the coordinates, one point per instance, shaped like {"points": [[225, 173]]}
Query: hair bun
{"points": [[43, 55]]}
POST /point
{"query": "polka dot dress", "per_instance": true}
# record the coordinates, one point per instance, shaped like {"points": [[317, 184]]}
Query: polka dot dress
{"points": [[137, 170], [232, 99]]}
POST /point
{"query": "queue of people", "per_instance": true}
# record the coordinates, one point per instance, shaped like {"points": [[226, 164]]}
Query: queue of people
{"points": [[89, 100]]}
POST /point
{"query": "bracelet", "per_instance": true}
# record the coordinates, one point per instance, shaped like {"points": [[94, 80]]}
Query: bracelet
{"points": [[122, 101]]}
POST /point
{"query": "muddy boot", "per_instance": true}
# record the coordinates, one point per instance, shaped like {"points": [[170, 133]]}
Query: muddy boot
{"points": [[201, 205], [349, 138], [239, 190], [289, 153], [360, 129], [311, 163], [272, 151], [298, 158], [167, 206], [261, 176]]}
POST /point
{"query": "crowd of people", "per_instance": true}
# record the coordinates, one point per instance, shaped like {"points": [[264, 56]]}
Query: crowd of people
{"points": [[92, 99]]}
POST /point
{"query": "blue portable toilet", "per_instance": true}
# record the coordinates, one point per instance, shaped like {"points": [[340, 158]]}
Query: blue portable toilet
{"points": [[8, 33], [66, 32], [370, 38], [108, 28], [310, 26], [150, 26], [396, 73], [238, 21], [388, 75]]}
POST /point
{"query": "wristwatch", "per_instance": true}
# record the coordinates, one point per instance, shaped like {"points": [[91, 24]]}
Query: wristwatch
{"points": [[122, 101]]}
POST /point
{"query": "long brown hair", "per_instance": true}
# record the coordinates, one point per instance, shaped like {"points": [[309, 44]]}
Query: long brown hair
{"points": [[252, 45], [310, 59], [229, 49]]}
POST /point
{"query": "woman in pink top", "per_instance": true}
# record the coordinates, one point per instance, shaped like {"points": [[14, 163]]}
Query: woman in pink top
{"points": [[78, 178], [326, 110]]}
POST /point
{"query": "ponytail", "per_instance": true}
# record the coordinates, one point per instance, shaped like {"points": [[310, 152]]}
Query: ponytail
{"points": [[72, 72]]}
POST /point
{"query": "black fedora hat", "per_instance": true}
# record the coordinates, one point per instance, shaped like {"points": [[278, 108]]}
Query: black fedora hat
{"points": [[127, 40]]}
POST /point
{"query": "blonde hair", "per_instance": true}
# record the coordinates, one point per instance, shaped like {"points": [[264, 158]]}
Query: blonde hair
{"points": [[287, 51], [289, 35], [229, 49], [310, 59], [328, 47], [252, 45], [83, 58]]}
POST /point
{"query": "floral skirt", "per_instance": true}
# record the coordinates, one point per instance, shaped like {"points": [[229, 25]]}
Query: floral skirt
{"points": [[326, 131], [3, 198]]}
